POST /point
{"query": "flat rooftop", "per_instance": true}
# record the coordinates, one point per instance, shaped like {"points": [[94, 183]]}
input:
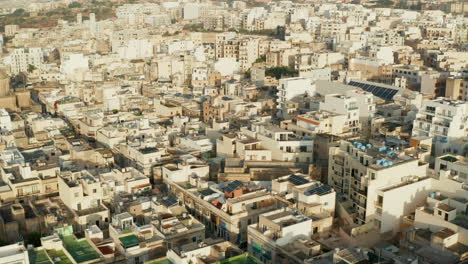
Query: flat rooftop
{"points": [[129, 241], [80, 249], [59, 257], [38, 257], [241, 259]]}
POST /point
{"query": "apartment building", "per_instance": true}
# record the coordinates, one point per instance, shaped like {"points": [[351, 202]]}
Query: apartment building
{"points": [[84, 194], [343, 105], [284, 145], [181, 171], [332, 29], [210, 251], [443, 212], [5, 120], [25, 175], [226, 45], [454, 89], [20, 59], [178, 229], [398, 200], [317, 122], [309, 197], [226, 209], [11, 30], [289, 88], [199, 77], [357, 169], [413, 75], [137, 243], [14, 253], [143, 155], [274, 231], [443, 119], [317, 60], [456, 164]]}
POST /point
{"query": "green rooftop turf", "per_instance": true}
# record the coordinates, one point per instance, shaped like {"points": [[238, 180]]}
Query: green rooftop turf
{"points": [[129, 240], [241, 259], [38, 257], [63, 259], [161, 261], [80, 249], [449, 159]]}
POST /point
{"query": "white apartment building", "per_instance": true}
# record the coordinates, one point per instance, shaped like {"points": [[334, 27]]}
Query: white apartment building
{"points": [[133, 48], [333, 29], [72, 62], [458, 165], [199, 76], [389, 37], [312, 198], [445, 208], [398, 200], [20, 59], [274, 230], [5, 120], [159, 20], [284, 145], [289, 88], [343, 105], [11, 30], [442, 119], [317, 122], [14, 254], [225, 209], [358, 169], [181, 172], [248, 52], [192, 10], [317, 60], [365, 102], [198, 143], [84, 193]]}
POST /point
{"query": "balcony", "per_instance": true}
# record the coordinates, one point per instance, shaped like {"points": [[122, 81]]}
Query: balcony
{"points": [[442, 124], [378, 204], [447, 116], [378, 211], [339, 162], [424, 119]]}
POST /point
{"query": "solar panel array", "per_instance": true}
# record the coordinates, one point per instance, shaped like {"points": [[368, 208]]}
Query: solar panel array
{"points": [[379, 91], [233, 186], [319, 190], [297, 180], [169, 201]]}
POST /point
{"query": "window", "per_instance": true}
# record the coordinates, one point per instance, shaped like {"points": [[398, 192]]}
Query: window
{"points": [[77, 195]]}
